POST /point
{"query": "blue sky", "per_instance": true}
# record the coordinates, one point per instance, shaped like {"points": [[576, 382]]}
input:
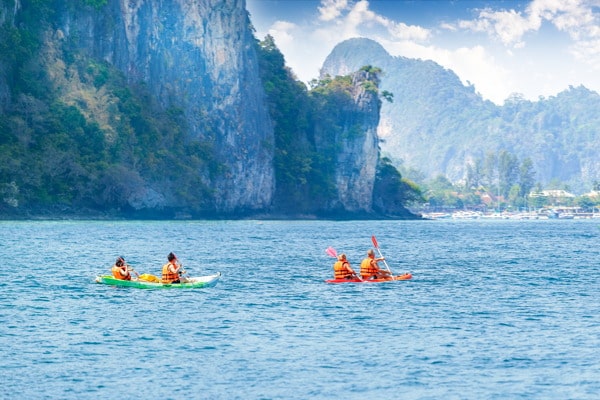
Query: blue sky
{"points": [[534, 48]]}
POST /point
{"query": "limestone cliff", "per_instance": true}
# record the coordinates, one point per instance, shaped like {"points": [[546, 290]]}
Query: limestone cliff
{"points": [[193, 56], [158, 108], [357, 148]]}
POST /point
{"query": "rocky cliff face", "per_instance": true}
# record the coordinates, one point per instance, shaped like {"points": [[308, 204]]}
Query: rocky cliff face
{"points": [[358, 148], [157, 108], [411, 127], [198, 57]]}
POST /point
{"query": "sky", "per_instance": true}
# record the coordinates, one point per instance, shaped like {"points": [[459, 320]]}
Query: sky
{"points": [[531, 48]]}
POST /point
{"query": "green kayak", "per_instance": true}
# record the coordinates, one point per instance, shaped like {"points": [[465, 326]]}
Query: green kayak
{"points": [[193, 283]]}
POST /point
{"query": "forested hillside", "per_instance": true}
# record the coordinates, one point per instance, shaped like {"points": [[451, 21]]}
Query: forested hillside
{"points": [[436, 125]]}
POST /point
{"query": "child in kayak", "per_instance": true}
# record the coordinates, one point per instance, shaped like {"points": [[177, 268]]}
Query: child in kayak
{"points": [[121, 270]]}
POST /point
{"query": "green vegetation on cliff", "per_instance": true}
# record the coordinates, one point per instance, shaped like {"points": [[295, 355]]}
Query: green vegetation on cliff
{"points": [[91, 144], [304, 180], [78, 137], [308, 129]]}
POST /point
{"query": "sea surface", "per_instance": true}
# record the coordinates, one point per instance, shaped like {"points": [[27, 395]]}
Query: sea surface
{"points": [[496, 309]]}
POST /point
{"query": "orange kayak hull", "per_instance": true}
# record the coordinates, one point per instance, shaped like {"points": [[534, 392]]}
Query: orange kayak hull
{"points": [[403, 277]]}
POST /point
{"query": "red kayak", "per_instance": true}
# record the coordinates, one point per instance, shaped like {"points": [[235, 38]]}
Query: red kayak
{"points": [[403, 277]]}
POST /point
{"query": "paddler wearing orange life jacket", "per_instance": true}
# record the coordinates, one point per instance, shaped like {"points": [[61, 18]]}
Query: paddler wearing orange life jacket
{"points": [[120, 270], [342, 269], [369, 268], [171, 270]]}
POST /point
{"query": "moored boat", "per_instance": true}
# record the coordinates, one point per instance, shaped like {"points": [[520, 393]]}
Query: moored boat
{"points": [[192, 283], [403, 277]]}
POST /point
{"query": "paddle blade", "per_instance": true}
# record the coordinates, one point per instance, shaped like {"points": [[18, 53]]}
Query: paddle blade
{"points": [[374, 242], [331, 251]]}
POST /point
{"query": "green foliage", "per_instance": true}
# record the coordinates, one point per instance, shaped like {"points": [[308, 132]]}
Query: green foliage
{"points": [[370, 86], [371, 70], [392, 193], [304, 180], [587, 202], [54, 151], [526, 177], [388, 96], [338, 86], [100, 73], [308, 135], [97, 4], [105, 145], [498, 175], [442, 124]]}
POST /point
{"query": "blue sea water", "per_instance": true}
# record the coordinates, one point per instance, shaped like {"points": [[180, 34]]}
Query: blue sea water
{"points": [[496, 310]]}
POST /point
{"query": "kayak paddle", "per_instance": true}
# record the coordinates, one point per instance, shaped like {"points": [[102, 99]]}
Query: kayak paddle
{"points": [[331, 252], [130, 268], [182, 272], [374, 240]]}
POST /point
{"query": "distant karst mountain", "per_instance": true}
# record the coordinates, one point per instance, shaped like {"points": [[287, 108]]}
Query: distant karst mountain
{"points": [[438, 125]]}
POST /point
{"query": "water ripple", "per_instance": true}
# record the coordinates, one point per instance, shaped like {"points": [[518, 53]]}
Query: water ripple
{"points": [[496, 310]]}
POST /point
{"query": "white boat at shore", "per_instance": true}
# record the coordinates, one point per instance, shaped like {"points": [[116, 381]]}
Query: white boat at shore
{"points": [[467, 215], [506, 215]]}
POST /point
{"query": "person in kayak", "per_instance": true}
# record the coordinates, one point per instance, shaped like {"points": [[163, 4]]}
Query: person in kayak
{"points": [[342, 269], [121, 270], [369, 268], [171, 271]]}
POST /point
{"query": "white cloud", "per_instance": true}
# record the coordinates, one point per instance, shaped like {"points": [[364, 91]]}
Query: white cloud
{"points": [[408, 32], [331, 9], [578, 18], [283, 31], [506, 26], [337, 20], [473, 65], [477, 66], [497, 68], [362, 18]]}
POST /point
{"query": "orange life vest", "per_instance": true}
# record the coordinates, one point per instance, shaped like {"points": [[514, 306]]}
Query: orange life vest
{"points": [[341, 270], [116, 271], [368, 268], [167, 275]]}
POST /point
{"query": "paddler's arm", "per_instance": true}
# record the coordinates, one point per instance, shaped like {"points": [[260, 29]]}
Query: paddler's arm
{"points": [[349, 268], [129, 268], [352, 271], [380, 271], [175, 268]]}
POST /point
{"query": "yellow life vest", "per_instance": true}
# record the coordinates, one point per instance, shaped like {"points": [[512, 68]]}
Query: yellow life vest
{"points": [[167, 275], [116, 272], [368, 268], [341, 270]]}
